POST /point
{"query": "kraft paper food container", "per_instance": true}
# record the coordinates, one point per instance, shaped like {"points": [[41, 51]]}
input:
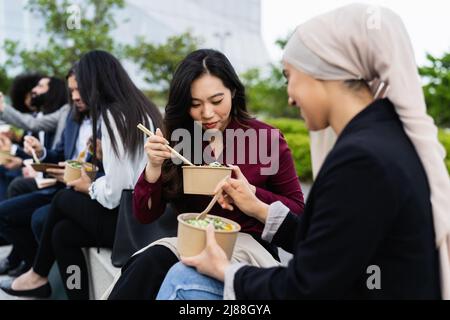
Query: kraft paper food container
{"points": [[4, 157], [72, 171], [192, 240], [203, 180], [5, 128]]}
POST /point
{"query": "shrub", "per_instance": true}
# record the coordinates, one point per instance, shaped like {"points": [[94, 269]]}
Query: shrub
{"points": [[286, 126], [297, 138], [444, 137], [299, 145]]}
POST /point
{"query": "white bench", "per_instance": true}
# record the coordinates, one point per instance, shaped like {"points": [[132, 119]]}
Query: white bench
{"points": [[101, 271]]}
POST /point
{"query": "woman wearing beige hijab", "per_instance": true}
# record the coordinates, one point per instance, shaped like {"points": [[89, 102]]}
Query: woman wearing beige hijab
{"points": [[377, 221]]}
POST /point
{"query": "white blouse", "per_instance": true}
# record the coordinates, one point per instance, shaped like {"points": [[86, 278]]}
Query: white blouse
{"points": [[121, 172]]}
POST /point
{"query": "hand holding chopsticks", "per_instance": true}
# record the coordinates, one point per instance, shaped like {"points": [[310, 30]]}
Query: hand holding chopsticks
{"points": [[32, 144], [36, 159], [173, 151]]}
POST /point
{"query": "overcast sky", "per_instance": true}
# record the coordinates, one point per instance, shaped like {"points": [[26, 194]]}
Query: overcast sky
{"points": [[428, 22]]}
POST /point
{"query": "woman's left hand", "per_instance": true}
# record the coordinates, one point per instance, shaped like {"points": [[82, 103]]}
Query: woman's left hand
{"points": [[83, 184], [225, 200], [213, 261]]}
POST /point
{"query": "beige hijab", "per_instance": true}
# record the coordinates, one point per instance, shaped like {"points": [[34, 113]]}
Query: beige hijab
{"points": [[371, 43]]}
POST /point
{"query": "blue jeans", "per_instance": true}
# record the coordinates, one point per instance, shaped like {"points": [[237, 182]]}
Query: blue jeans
{"points": [[185, 283]]}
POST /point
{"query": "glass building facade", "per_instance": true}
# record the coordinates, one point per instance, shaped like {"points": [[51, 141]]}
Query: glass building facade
{"points": [[232, 26]]}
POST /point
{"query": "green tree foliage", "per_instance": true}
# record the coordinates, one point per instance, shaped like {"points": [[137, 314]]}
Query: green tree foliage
{"points": [[66, 42], [297, 137], [159, 62], [5, 81], [267, 92], [267, 95], [437, 88]]}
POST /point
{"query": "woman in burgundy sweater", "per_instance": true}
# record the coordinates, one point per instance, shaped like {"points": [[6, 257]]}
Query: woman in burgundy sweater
{"points": [[206, 92]]}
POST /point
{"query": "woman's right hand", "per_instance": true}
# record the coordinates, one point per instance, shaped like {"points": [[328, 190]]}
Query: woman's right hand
{"points": [[157, 153], [31, 142]]}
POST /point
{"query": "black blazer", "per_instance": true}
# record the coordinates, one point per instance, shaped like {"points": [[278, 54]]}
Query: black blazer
{"points": [[370, 206]]}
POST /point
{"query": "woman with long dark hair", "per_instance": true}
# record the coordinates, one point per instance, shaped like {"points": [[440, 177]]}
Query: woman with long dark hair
{"points": [[207, 95], [86, 216]]}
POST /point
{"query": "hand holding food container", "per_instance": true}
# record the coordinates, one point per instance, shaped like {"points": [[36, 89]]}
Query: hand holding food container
{"points": [[86, 172], [210, 252], [56, 172], [73, 170], [79, 174], [191, 239], [192, 226], [213, 260]]}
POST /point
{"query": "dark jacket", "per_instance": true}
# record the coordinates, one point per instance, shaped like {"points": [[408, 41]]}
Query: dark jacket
{"points": [[370, 206], [66, 147], [48, 142]]}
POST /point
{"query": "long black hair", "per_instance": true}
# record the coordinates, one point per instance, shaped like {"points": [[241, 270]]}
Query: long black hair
{"points": [[21, 87], [56, 96], [107, 89], [77, 115], [177, 115]]}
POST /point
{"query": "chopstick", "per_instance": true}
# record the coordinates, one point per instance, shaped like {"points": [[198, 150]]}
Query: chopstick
{"points": [[205, 212], [82, 155], [33, 153], [149, 133], [36, 159]]}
